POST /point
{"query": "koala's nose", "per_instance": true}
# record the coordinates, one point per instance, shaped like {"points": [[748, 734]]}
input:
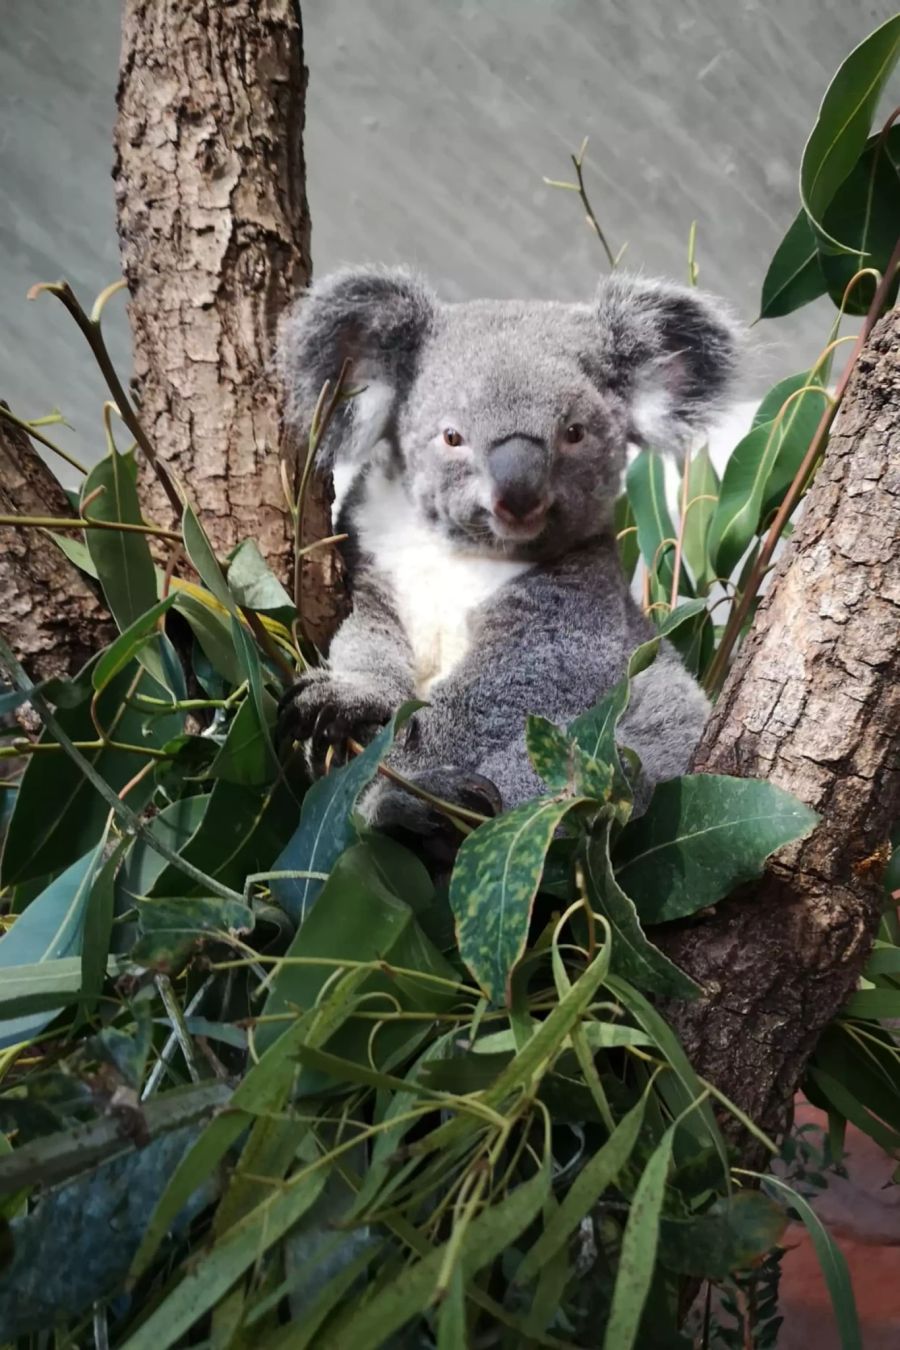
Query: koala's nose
{"points": [[518, 468]]}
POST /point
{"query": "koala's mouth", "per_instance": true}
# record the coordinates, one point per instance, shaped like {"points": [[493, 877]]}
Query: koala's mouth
{"points": [[521, 529]]}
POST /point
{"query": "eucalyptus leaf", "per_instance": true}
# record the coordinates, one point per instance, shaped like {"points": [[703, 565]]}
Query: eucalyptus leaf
{"points": [[637, 1257], [646, 484], [326, 826], [864, 213], [842, 126], [50, 928], [701, 836], [496, 877], [253, 583], [122, 558], [795, 277], [735, 1233], [171, 928], [701, 492]]}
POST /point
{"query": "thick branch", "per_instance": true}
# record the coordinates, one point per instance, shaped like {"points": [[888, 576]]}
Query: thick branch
{"points": [[813, 704], [214, 233], [49, 614]]}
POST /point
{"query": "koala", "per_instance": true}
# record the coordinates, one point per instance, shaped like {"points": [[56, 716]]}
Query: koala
{"points": [[484, 448]]}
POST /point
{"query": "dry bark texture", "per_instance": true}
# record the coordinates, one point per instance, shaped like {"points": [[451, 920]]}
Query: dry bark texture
{"points": [[812, 704], [48, 613], [214, 233]]}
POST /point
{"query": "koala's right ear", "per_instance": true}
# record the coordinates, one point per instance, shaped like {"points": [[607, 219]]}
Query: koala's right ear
{"points": [[374, 317]]}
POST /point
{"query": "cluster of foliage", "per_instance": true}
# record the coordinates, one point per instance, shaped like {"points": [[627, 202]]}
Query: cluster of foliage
{"points": [[263, 1081]]}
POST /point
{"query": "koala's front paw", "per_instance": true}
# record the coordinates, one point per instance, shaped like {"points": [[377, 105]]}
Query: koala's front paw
{"points": [[413, 821], [324, 710]]}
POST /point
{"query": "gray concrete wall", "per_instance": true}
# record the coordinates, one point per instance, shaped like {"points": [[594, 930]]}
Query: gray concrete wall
{"points": [[431, 124]]}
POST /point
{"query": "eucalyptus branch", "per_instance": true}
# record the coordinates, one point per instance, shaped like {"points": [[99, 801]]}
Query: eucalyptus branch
{"points": [[30, 429], [590, 213], [87, 523], [90, 328], [458, 814]]}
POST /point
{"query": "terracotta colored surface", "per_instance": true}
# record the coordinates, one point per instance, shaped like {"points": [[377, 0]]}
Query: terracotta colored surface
{"points": [[864, 1218]]}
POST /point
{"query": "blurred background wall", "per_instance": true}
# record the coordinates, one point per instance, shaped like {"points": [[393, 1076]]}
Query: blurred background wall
{"points": [[430, 127]]}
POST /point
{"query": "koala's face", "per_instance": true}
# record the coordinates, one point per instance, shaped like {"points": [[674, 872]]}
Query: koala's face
{"points": [[506, 441], [508, 421]]}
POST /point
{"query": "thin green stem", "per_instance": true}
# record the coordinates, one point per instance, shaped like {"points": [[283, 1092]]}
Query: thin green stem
{"points": [[30, 429], [61, 523]]}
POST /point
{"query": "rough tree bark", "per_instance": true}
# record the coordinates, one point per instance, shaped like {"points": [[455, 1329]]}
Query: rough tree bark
{"points": [[49, 614], [812, 704], [214, 233]]}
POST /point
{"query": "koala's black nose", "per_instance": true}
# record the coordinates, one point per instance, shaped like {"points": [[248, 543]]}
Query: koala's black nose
{"points": [[518, 468]]}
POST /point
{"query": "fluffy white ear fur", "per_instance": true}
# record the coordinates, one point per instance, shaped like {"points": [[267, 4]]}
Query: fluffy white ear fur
{"points": [[370, 410]]}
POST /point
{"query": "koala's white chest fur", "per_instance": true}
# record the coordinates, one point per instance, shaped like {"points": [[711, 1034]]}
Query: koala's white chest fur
{"points": [[435, 586]]}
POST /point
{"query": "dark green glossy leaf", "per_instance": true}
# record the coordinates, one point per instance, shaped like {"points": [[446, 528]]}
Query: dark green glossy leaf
{"points": [[244, 757], [646, 484], [701, 836], [734, 1234], [701, 495], [97, 927], [213, 633], [171, 928], [361, 918], [122, 559], [326, 826], [842, 126], [794, 277], [864, 214], [242, 831], [174, 826], [58, 815], [497, 873], [132, 641], [633, 956], [50, 928]]}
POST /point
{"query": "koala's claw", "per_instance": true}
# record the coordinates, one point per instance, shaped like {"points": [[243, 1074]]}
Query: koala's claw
{"points": [[325, 711]]}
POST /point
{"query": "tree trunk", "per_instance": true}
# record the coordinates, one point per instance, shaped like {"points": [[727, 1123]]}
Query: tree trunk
{"points": [[214, 233], [49, 614], [812, 704]]}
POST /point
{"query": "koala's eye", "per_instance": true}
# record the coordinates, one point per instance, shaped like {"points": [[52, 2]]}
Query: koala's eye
{"points": [[452, 436], [574, 433]]}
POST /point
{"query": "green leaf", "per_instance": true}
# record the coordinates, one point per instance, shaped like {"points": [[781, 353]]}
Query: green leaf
{"points": [[495, 879], [172, 927], [600, 1172], [264, 1088], [842, 126], [244, 757], [133, 641], [252, 582], [734, 1234], [51, 927], [626, 536], [97, 927], [864, 213], [594, 731], [831, 1260], [372, 1324], [701, 836], [214, 635], [637, 1257], [876, 1004], [701, 495], [242, 831], [58, 814], [174, 826], [842, 1099], [360, 918], [794, 277], [646, 485], [122, 559], [562, 763], [633, 956], [326, 826]]}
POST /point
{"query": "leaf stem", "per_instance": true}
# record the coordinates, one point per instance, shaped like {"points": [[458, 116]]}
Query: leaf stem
{"points": [[30, 430], [578, 162], [61, 523]]}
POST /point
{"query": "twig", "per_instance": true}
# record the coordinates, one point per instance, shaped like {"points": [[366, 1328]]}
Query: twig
{"points": [[61, 523], [30, 430], [154, 1078], [92, 332], [457, 814], [719, 666], [578, 162]]}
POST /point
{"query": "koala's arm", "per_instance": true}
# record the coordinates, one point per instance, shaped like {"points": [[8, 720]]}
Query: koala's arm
{"points": [[368, 675], [553, 642]]}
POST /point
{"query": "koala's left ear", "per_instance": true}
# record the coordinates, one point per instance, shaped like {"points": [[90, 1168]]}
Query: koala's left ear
{"points": [[668, 351], [374, 317]]}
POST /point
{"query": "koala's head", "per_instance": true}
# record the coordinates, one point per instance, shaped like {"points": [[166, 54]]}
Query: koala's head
{"points": [[508, 421]]}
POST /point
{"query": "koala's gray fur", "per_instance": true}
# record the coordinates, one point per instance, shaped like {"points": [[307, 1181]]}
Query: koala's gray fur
{"points": [[485, 572]]}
